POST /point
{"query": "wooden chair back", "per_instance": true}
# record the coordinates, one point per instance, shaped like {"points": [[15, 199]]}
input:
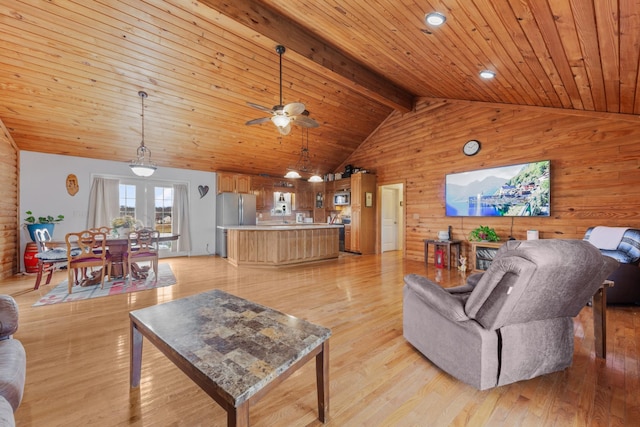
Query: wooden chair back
{"points": [[103, 229], [92, 253], [142, 245]]}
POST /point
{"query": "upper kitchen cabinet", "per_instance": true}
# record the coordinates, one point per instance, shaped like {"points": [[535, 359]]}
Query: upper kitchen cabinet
{"points": [[262, 187], [233, 183], [304, 199]]}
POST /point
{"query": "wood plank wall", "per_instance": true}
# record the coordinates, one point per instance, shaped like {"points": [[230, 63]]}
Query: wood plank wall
{"points": [[595, 165], [8, 204]]}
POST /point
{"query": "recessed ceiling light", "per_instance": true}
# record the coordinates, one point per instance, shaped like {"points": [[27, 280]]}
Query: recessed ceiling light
{"points": [[434, 18], [487, 74]]}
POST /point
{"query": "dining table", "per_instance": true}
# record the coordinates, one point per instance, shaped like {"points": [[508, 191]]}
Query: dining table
{"points": [[117, 246]]}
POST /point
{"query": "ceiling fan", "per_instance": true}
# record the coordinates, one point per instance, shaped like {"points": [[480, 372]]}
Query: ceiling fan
{"points": [[283, 116]]}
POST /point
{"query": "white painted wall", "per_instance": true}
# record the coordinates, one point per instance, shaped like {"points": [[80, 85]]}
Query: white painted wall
{"points": [[43, 191]]}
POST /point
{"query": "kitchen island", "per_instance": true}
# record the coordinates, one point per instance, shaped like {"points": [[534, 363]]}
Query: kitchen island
{"points": [[283, 244]]}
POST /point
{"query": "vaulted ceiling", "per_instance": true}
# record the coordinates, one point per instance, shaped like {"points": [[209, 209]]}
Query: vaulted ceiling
{"points": [[70, 71]]}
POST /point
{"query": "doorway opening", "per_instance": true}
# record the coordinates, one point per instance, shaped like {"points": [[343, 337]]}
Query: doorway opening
{"points": [[392, 217]]}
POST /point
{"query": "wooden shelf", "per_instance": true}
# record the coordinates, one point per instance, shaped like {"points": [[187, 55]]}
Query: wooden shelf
{"points": [[482, 253]]}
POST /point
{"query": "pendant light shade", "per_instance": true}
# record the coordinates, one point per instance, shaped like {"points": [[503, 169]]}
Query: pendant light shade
{"points": [[142, 164]]}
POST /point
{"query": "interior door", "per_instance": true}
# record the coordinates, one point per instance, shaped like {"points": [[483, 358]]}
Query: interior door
{"points": [[390, 204]]}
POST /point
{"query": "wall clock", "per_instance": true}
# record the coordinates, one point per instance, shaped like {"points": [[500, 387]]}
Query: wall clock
{"points": [[471, 147]]}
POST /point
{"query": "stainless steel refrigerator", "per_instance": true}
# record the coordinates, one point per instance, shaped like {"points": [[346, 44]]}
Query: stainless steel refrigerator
{"points": [[232, 209]]}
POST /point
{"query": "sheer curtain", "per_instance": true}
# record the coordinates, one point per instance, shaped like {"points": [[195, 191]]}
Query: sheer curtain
{"points": [[181, 218], [103, 202]]}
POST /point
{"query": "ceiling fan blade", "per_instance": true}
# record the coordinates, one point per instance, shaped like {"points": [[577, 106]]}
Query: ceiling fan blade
{"points": [[260, 107], [285, 130], [258, 121], [304, 121], [294, 108]]}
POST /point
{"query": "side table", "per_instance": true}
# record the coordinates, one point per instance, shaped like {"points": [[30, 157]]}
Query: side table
{"points": [[448, 244]]}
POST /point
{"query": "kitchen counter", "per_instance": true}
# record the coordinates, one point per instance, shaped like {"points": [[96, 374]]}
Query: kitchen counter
{"points": [[280, 226], [282, 244]]}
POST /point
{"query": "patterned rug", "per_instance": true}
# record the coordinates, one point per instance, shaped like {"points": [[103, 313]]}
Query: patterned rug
{"points": [[115, 287]]}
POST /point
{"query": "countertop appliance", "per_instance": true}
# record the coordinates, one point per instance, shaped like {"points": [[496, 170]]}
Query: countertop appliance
{"points": [[342, 198], [232, 209]]}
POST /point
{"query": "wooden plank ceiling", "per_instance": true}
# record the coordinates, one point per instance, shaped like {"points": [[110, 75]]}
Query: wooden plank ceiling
{"points": [[70, 71]]}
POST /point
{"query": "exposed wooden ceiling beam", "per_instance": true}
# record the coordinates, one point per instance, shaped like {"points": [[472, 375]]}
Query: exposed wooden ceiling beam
{"points": [[319, 56]]}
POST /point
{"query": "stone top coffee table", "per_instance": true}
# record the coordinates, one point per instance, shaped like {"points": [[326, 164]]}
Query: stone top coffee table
{"points": [[234, 349]]}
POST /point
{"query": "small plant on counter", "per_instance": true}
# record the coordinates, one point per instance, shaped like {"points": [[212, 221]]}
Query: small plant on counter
{"points": [[483, 233]]}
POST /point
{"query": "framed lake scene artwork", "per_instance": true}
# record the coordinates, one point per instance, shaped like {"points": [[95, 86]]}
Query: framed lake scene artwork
{"points": [[513, 190]]}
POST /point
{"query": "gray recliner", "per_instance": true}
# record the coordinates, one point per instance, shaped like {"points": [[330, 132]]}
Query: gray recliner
{"points": [[512, 322]]}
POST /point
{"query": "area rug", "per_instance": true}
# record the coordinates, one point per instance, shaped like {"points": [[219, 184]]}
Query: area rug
{"points": [[115, 287]]}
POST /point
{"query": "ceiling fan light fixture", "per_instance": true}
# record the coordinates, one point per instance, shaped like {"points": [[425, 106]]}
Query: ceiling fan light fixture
{"points": [[142, 164], [487, 74], [292, 175], [435, 19], [280, 120]]}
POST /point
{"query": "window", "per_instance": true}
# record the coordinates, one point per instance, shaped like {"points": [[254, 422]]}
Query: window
{"points": [[127, 200], [163, 204], [153, 212]]}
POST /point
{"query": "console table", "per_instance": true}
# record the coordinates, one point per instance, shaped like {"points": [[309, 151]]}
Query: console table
{"points": [[448, 244]]}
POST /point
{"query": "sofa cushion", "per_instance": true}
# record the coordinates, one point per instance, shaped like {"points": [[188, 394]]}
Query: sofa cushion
{"points": [[622, 257], [57, 254], [13, 366]]}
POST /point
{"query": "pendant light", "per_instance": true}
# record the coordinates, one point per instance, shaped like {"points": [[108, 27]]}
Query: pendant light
{"points": [[304, 162], [142, 165]]}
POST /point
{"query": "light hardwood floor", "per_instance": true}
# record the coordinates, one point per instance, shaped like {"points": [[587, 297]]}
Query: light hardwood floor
{"points": [[78, 358]]}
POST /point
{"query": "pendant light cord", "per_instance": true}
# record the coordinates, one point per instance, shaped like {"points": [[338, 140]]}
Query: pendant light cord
{"points": [[143, 95]]}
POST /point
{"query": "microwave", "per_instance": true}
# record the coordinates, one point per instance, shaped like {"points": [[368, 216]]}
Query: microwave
{"points": [[342, 199]]}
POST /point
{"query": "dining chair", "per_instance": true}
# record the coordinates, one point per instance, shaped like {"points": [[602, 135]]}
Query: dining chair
{"points": [[92, 253], [49, 260], [142, 245]]}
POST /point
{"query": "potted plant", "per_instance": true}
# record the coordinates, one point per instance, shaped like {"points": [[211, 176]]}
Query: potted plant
{"points": [[122, 225], [484, 233], [32, 223]]}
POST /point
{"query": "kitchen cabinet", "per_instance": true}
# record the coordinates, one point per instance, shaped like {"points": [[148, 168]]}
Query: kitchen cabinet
{"points": [[363, 214], [305, 196], [342, 185], [262, 187], [347, 237], [233, 183]]}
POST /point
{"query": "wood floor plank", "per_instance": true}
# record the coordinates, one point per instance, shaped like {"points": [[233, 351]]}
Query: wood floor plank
{"points": [[78, 357]]}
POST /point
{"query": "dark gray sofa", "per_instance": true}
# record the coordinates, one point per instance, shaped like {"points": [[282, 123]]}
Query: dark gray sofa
{"points": [[512, 322], [626, 278], [13, 362]]}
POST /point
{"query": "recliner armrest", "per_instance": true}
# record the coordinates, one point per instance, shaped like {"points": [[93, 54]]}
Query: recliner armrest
{"points": [[8, 316], [436, 297]]}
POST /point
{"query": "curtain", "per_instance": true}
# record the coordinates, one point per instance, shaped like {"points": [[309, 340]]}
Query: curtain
{"points": [[181, 218], [103, 202]]}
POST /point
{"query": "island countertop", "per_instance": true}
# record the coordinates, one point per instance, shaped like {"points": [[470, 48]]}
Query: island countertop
{"points": [[283, 244], [292, 226]]}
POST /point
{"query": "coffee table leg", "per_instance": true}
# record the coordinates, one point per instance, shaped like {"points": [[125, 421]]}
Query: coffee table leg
{"points": [[238, 417], [135, 356], [322, 379]]}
